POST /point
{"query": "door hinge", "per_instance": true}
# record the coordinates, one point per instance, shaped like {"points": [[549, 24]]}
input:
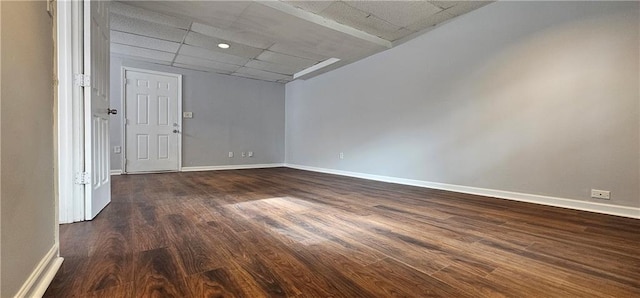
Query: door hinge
{"points": [[83, 178], [82, 80]]}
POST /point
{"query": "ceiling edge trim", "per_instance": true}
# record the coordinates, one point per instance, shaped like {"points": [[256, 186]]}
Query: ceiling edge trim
{"points": [[315, 67]]}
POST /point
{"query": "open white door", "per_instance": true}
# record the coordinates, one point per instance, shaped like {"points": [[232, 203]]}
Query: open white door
{"points": [[96, 109]]}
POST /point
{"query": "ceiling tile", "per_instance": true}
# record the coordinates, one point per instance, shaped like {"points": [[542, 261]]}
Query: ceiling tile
{"points": [[311, 6], [211, 55], [350, 16], [148, 15], [393, 36], [463, 7], [211, 31], [262, 74], [140, 52], [138, 58], [246, 38], [402, 32], [215, 13], [297, 51], [430, 21], [188, 60], [143, 41], [279, 58], [242, 75], [146, 28], [211, 43], [399, 13], [273, 67], [444, 4], [200, 68]]}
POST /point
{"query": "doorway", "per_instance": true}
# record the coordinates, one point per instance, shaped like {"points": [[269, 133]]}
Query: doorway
{"points": [[152, 103]]}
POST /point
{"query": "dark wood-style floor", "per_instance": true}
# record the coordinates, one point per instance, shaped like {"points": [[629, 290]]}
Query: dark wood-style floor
{"points": [[289, 233]]}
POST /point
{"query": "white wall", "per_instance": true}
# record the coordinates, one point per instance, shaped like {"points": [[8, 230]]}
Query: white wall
{"points": [[229, 114], [27, 150], [531, 97]]}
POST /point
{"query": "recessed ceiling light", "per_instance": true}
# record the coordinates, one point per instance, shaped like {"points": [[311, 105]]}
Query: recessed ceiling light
{"points": [[223, 45]]}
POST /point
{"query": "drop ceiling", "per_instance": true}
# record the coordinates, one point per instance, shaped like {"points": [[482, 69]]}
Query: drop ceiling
{"points": [[270, 40]]}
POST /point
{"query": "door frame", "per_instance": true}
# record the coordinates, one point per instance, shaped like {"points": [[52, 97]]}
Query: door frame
{"points": [[70, 112], [123, 107]]}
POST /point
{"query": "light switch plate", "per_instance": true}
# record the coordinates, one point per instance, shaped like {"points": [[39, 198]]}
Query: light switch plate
{"points": [[188, 115]]}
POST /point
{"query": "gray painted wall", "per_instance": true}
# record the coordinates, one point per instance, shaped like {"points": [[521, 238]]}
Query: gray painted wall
{"points": [[229, 114], [540, 98], [27, 149]]}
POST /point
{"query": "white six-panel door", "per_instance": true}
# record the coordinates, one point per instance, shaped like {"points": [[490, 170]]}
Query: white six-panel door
{"points": [[152, 122], [96, 94]]}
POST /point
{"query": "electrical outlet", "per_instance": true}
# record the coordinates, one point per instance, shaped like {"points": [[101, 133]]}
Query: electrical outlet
{"points": [[250, 153], [187, 115], [341, 155], [601, 194], [244, 154], [230, 154], [117, 149]]}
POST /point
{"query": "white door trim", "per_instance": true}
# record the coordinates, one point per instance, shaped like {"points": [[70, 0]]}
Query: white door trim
{"points": [[70, 118], [65, 112], [123, 94]]}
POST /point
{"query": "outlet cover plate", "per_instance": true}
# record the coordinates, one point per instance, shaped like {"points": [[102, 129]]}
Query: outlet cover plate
{"points": [[600, 194]]}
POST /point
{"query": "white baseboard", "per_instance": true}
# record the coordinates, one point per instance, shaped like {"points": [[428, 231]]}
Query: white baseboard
{"points": [[42, 275], [116, 172], [232, 167], [509, 195]]}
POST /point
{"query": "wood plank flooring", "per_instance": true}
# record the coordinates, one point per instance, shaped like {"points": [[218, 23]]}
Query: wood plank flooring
{"points": [[289, 233]]}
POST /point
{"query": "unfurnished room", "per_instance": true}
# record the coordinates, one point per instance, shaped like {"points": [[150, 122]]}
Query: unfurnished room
{"points": [[319, 148]]}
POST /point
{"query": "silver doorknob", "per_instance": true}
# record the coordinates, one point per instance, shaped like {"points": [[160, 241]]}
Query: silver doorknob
{"points": [[176, 131]]}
